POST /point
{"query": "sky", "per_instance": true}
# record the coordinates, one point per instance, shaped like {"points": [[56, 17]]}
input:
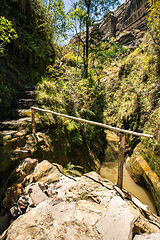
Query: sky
{"points": [[68, 3]]}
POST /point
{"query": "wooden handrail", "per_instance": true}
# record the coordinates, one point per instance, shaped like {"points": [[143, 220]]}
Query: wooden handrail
{"points": [[94, 123], [121, 142]]}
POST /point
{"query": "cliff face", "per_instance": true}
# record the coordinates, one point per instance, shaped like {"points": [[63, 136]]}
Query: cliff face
{"points": [[129, 20], [130, 15]]}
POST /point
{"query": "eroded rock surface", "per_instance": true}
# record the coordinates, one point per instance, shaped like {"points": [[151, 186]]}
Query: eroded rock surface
{"points": [[84, 207], [153, 236], [143, 174]]}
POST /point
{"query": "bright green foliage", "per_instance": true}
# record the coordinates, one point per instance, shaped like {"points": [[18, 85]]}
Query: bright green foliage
{"points": [[96, 9], [57, 17], [154, 22], [132, 92], [78, 18], [82, 98], [86, 13], [133, 96], [73, 170], [103, 53], [7, 33], [27, 55]]}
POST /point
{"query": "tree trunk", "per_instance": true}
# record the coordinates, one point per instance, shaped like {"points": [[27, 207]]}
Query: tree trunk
{"points": [[86, 57], [87, 41]]}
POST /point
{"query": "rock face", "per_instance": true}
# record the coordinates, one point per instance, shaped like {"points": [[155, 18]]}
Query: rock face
{"points": [[143, 175], [84, 207], [153, 236], [127, 23], [130, 15], [116, 216]]}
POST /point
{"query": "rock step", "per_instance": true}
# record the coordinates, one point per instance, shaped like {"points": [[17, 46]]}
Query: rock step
{"points": [[26, 103], [9, 134], [21, 123], [20, 154], [27, 94], [15, 143], [28, 88], [23, 113]]}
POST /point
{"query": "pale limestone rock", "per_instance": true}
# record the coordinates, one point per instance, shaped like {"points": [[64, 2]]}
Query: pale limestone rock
{"points": [[153, 236], [44, 172], [88, 212], [28, 165], [78, 208], [36, 194], [117, 221], [24, 169], [94, 175], [51, 221]]}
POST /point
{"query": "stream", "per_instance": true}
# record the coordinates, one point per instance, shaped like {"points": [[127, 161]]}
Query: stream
{"points": [[109, 170]]}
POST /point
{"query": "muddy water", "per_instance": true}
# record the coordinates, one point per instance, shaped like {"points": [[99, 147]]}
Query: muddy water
{"points": [[110, 171]]}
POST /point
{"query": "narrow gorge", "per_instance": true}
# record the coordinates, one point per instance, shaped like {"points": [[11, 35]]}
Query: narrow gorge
{"points": [[55, 183]]}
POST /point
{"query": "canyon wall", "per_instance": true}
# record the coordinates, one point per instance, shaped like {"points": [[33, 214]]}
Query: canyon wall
{"points": [[131, 15]]}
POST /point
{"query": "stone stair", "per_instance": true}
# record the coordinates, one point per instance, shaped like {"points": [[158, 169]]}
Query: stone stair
{"points": [[26, 100], [13, 132]]}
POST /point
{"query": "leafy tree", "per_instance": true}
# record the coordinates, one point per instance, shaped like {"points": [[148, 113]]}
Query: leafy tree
{"points": [[78, 17], [56, 13], [93, 10], [7, 33]]}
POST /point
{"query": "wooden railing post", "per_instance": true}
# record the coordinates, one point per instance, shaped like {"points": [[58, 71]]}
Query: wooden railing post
{"points": [[121, 160], [121, 143], [33, 122], [159, 133]]}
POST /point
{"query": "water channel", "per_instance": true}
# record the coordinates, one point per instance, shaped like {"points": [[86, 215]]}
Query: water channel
{"points": [[109, 170]]}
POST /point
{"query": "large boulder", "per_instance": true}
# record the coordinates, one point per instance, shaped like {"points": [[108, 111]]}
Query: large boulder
{"points": [[30, 172], [84, 207], [44, 172], [153, 236]]}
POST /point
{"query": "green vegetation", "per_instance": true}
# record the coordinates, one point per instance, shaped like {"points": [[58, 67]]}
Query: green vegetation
{"points": [[86, 13], [133, 94], [7, 33], [58, 18], [129, 100], [61, 92], [72, 170], [24, 58]]}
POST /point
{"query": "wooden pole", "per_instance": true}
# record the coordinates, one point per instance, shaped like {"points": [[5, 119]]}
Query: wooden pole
{"points": [[121, 160], [95, 123], [122, 137], [33, 122], [159, 133]]}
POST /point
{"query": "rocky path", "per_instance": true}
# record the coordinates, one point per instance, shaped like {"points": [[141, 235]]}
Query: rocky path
{"points": [[26, 99], [13, 148], [40, 202], [57, 206], [13, 132]]}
